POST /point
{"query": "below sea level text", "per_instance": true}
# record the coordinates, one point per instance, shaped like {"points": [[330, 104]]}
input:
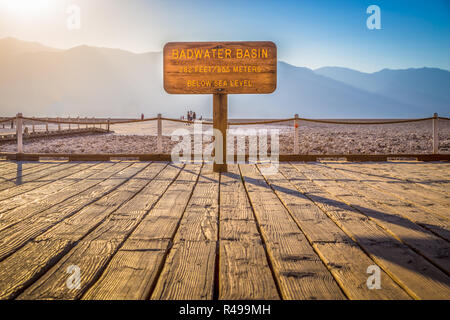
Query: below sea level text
{"points": [[218, 83]]}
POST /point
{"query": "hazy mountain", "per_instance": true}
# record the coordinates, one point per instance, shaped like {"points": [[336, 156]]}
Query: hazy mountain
{"points": [[86, 81], [11, 47], [90, 81], [300, 90], [425, 87]]}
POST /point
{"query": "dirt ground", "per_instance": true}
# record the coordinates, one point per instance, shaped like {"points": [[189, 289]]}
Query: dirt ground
{"points": [[314, 138]]}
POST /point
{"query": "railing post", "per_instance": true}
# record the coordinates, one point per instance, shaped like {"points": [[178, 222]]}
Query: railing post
{"points": [[86, 120], [59, 124], [109, 123], [46, 126], [296, 134], [32, 126], [159, 141], [19, 133], [435, 134], [69, 123], [78, 120]]}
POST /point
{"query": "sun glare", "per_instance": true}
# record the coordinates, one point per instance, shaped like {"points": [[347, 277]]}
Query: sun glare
{"points": [[27, 7]]}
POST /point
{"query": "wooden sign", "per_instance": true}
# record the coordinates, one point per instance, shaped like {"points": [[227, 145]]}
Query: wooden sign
{"points": [[220, 67]]}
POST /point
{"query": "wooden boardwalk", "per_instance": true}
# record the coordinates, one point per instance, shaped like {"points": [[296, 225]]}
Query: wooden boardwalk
{"points": [[158, 230]]}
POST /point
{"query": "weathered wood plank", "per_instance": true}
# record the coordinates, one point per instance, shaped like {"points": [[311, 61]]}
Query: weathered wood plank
{"points": [[418, 175], [4, 163], [188, 272], [23, 168], [19, 233], [394, 214], [59, 238], [6, 166], [133, 271], [432, 168], [430, 176], [10, 168], [346, 261], [390, 213], [74, 175], [244, 271], [21, 175], [299, 271], [95, 250], [34, 185], [409, 193], [195, 283], [411, 271], [162, 238], [61, 199], [414, 170]]}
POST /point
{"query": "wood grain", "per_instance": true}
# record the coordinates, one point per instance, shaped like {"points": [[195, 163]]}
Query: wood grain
{"points": [[414, 194], [217, 74], [19, 233], [411, 271], [342, 256], [168, 231], [220, 119], [59, 238], [95, 250], [402, 218], [425, 179], [299, 271], [58, 183], [135, 268], [188, 272], [9, 169], [62, 199], [56, 176], [244, 271], [432, 176], [24, 174]]}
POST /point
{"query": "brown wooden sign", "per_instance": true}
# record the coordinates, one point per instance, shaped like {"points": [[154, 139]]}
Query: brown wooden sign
{"points": [[220, 67]]}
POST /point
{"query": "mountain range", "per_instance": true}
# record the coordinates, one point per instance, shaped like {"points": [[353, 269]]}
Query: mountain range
{"points": [[90, 81]]}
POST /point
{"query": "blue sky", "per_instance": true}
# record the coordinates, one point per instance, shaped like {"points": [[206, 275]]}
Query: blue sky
{"points": [[310, 33]]}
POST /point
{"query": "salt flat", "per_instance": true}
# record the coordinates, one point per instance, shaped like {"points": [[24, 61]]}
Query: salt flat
{"points": [[314, 138]]}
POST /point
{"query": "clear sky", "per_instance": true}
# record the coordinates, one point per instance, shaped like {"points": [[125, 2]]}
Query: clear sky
{"points": [[314, 33]]}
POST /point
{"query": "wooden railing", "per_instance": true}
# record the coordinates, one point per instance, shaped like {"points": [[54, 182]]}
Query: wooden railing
{"points": [[19, 118]]}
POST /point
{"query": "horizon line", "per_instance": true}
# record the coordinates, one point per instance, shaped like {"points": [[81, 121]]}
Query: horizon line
{"points": [[147, 52]]}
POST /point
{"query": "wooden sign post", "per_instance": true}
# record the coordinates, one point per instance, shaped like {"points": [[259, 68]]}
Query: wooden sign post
{"points": [[220, 68], [220, 122]]}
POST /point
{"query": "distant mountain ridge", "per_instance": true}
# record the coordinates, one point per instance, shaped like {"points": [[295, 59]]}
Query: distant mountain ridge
{"points": [[90, 81], [414, 86], [11, 47]]}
